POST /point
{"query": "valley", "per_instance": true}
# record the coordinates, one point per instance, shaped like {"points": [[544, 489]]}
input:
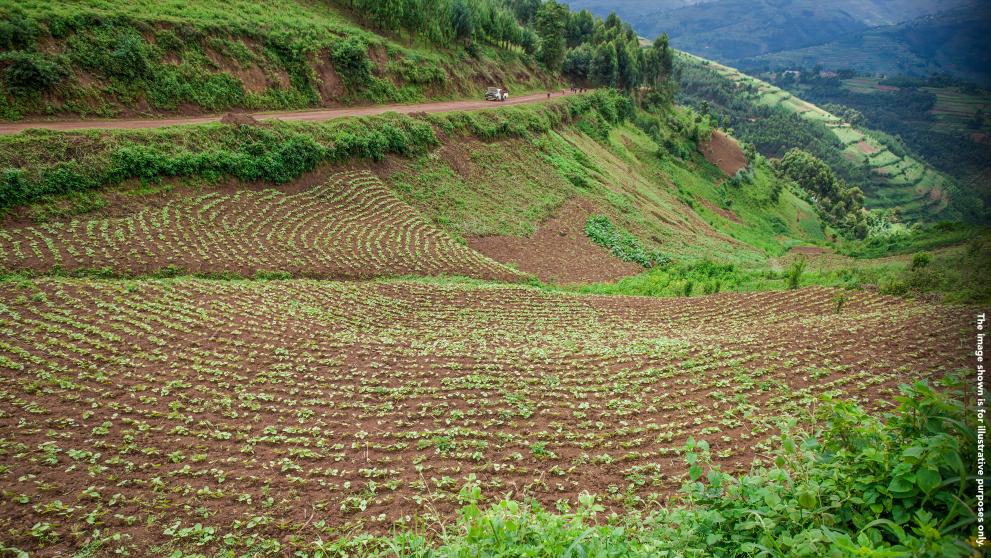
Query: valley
{"points": [[275, 280]]}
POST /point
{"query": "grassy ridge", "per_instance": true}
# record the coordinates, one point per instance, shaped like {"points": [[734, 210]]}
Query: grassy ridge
{"points": [[955, 275], [112, 57]]}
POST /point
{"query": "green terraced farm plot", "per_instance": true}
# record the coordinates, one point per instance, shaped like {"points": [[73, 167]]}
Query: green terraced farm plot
{"points": [[854, 154], [882, 159], [955, 102], [250, 408], [896, 169], [955, 110], [861, 85], [848, 135]]}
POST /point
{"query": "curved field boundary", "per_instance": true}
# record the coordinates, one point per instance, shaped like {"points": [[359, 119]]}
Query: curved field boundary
{"points": [[352, 226]]}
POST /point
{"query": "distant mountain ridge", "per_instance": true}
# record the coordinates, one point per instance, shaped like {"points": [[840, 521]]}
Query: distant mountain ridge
{"points": [[954, 41]]}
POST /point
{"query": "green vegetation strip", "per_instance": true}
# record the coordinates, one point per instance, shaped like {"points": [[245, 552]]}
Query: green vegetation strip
{"points": [[622, 244], [37, 165]]}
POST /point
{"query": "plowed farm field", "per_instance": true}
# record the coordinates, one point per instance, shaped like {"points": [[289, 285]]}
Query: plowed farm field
{"points": [[351, 226], [172, 413]]}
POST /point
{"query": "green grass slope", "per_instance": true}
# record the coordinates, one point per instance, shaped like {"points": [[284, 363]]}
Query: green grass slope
{"points": [[114, 58]]}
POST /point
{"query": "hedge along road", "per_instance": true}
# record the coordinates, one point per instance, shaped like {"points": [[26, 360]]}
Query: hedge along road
{"points": [[309, 115]]}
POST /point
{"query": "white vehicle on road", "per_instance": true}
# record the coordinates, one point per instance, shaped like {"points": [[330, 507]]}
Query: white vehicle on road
{"points": [[496, 94]]}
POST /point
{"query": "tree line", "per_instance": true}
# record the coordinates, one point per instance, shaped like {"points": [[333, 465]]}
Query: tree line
{"points": [[839, 205], [587, 50]]}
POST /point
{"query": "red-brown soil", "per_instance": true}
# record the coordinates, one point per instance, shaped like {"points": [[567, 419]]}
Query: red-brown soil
{"points": [[809, 250], [349, 226], [718, 210], [865, 147], [725, 153], [559, 251], [321, 403], [238, 119]]}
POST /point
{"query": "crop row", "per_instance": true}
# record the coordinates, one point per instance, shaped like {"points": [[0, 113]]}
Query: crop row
{"points": [[351, 226], [291, 410]]}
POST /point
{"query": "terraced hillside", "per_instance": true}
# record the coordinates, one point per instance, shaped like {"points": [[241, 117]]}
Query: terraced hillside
{"points": [[388, 334], [896, 181], [193, 414], [350, 226], [955, 110], [432, 184]]}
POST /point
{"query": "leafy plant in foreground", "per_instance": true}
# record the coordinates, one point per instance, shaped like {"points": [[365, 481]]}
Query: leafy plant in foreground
{"points": [[861, 486]]}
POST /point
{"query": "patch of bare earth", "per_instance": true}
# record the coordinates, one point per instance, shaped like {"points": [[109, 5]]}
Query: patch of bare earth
{"points": [[719, 211], [809, 250], [865, 147], [239, 119], [559, 251], [725, 153], [330, 85]]}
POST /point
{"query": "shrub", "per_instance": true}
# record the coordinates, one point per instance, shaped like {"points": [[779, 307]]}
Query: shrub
{"points": [[921, 260], [17, 32], [14, 187], [168, 41], [622, 244], [64, 178], [744, 176], [351, 62], [29, 71], [418, 72], [129, 58], [595, 126], [292, 158], [794, 273], [218, 91], [112, 50], [687, 289]]}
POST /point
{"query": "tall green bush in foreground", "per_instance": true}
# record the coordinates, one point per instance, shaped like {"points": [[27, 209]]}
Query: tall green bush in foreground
{"points": [[857, 486]]}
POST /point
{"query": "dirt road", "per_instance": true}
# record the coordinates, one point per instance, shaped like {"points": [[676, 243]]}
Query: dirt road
{"points": [[308, 115]]}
